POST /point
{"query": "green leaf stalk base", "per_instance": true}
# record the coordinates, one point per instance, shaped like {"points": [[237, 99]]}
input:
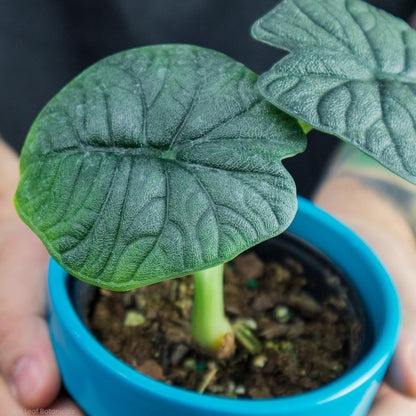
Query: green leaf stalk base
{"points": [[103, 385]]}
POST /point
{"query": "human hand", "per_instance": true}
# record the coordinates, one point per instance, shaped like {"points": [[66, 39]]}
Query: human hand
{"points": [[352, 200], [360, 195], [29, 375]]}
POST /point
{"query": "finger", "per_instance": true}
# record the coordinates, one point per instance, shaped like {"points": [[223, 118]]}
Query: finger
{"points": [[9, 407], [402, 371], [8, 404], [384, 229], [400, 262], [389, 402], [26, 357]]}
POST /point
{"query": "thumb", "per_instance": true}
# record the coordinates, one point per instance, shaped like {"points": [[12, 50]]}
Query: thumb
{"points": [[26, 357], [387, 232], [400, 261], [402, 371]]}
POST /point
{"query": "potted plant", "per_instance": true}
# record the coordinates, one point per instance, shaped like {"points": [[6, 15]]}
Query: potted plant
{"points": [[163, 161]]}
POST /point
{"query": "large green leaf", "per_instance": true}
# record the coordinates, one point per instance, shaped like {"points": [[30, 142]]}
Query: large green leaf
{"points": [[154, 163], [351, 72]]}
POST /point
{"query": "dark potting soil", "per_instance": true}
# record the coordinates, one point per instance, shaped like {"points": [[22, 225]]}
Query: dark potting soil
{"points": [[286, 341]]}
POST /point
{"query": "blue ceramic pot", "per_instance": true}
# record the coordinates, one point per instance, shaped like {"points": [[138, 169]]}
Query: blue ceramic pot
{"points": [[103, 385]]}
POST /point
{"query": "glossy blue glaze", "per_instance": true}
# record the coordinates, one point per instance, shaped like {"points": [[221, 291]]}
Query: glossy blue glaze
{"points": [[103, 385]]}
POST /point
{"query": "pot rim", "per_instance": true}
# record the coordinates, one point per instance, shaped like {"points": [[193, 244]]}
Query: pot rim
{"points": [[381, 350]]}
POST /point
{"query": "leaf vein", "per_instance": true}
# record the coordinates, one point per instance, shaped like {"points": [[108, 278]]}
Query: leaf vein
{"points": [[166, 215], [369, 42], [230, 118], [122, 213], [99, 215], [212, 204]]}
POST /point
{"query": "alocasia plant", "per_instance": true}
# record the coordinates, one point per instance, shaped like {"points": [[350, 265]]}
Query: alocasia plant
{"points": [[165, 160], [155, 163]]}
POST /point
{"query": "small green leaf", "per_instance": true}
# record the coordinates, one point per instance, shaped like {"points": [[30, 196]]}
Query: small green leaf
{"points": [[351, 72], [246, 337], [154, 163]]}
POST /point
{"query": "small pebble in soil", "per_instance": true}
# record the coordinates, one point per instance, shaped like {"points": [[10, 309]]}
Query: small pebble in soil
{"points": [[185, 306], [106, 292], [128, 299], [190, 364], [134, 318], [271, 345], [230, 388], [282, 314], [240, 390], [337, 367], [305, 303], [152, 369], [294, 265], [216, 388], [183, 291], [280, 274], [179, 353], [259, 361], [140, 301], [285, 346]]}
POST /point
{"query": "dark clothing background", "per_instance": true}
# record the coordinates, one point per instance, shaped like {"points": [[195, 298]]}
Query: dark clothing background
{"points": [[45, 43]]}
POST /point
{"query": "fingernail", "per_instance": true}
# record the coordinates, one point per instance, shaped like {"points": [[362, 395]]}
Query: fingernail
{"points": [[25, 378]]}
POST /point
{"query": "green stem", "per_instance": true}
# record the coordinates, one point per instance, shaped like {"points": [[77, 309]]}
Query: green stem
{"points": [[305, 127], [210, 328]]}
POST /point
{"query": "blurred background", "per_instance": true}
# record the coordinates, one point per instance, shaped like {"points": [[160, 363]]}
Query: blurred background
{"points": [[45, 43]]}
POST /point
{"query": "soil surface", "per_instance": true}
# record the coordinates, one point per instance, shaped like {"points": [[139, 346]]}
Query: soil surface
{"points": [[287, 341]]}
